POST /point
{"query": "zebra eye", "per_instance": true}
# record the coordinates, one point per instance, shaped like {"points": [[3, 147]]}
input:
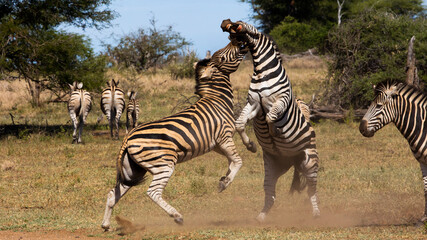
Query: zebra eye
{"points": [[223, 59]]}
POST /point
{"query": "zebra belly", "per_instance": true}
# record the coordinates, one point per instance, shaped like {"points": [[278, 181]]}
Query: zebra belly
{"points": [[282, 145]]}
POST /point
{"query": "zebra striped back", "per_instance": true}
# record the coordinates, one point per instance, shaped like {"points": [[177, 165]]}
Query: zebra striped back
{"points": [[79, 106], [112, 105], [281, 123], [158, 146], [406, 107], [132, 111]]}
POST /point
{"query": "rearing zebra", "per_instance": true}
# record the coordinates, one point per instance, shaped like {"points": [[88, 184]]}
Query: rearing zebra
{"points": [[207, 125], [112, 105], [285, 135], [79, 106], [406, 107], [132, 111]]}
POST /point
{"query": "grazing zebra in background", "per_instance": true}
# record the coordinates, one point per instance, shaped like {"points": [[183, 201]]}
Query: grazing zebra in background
{"points": [[284, 133], [79, 106], [112, 105], [207, 125], [406, 107], [132, 111]]}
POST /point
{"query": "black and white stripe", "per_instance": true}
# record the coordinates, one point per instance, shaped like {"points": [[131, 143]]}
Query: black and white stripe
{"points": [[79, 106], [132, 111], [406, 107], [207, 125], [112, 105], [285, 135]]}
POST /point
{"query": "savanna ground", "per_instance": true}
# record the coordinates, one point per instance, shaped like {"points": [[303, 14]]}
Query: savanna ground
{"points": [[51, 189]]}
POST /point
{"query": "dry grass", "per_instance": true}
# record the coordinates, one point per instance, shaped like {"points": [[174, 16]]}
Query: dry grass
{"points": [[368, 188]]}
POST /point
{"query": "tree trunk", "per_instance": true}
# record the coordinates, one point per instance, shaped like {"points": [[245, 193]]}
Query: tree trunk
{"points": [[34, 88], [411, 70]]}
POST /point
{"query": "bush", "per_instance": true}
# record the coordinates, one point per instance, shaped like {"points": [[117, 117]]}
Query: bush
{"points": [[292, 36], [369, 49], [182, 66]]}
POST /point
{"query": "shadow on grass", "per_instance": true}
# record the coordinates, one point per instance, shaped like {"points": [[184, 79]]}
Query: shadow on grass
{"points": [[23, 130]]}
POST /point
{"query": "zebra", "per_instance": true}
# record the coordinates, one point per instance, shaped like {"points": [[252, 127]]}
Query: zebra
{"points": [[284, 133], [132, 111], [207, 125], [79, 106], [406, 107], [112, 105]]}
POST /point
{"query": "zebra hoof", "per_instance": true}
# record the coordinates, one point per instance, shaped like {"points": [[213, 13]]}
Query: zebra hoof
{"points": [[179, 221], [252, 147], [316, 214], [223, 183], [106, 228], [261, 217]]}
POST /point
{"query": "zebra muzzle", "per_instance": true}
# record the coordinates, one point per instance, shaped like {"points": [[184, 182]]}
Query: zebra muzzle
{"points": [[363, 128]]}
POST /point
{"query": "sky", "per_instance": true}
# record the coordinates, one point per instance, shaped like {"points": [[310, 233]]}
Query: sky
{"points": [[198, 21]]}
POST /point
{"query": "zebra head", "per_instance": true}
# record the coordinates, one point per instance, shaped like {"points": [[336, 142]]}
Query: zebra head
{"points": [[382, 109], [219, 67], [132, 95], [240, 32]]}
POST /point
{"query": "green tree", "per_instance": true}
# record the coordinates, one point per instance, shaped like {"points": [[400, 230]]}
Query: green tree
{"points": [[369, 49], [147, 48], [32, 48]]}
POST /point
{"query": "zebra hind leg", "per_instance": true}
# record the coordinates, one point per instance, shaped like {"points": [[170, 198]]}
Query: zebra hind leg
{"points": [[80, 126], [424, 172], [155, 190], [273, 169], [74, 121], [131, 175], [309, 168]]}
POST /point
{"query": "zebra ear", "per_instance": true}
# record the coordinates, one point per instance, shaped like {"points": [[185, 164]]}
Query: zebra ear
{"points": [[207, 74], [108, 84], [134, 94], [71, 86], [80, 85], [195, 65], [116, 83], [128, 93]]}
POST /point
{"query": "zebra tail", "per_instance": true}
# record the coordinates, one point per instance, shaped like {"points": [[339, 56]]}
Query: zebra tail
{"points": [[299, 182], [119, 166]]}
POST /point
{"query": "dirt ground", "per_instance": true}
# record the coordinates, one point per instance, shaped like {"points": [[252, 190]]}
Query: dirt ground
{"points": [[42, 235]]}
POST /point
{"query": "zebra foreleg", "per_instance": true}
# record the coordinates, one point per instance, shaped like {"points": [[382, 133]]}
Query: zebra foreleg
{"points": [[273, 169], [112, 198], [424, 172], [278, 109], [228, 148], [155, 190], [249, 112]]}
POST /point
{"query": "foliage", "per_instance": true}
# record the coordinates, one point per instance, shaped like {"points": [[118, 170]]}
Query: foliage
{"points": [[51, 13], [369, 49], [292, 36], [46, 58], [272, 13], [399, 7], [182, 66], [146, 48]]}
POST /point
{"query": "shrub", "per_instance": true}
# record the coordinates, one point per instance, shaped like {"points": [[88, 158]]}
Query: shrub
{"points": [[369, 49], [182, 66], [292, 36]]}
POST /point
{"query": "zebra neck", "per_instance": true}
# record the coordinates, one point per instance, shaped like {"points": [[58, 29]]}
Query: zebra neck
{"points": [[410, 113], [220, 92]]}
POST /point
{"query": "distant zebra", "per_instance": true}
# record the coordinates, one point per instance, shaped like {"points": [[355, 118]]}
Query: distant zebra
{"points": [[79, 106], [207, 125], [132, 111], [112, 105], [406, 107], [284, 133]]}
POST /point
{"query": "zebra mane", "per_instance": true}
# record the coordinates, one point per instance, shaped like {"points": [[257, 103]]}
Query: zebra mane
{"points": [[390, 87]]}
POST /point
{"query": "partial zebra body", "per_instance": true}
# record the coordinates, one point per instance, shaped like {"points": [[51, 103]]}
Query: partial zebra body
{"points": [[112, 105], [157, 147], [280, 121], [132, 111], [406, 107], [79, 106]]}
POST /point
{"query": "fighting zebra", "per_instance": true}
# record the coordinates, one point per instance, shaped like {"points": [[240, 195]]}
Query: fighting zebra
{"points": [[207, 125], [406, 107], [79, 106], [132, 111], [284, 133], [112, 105]]}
